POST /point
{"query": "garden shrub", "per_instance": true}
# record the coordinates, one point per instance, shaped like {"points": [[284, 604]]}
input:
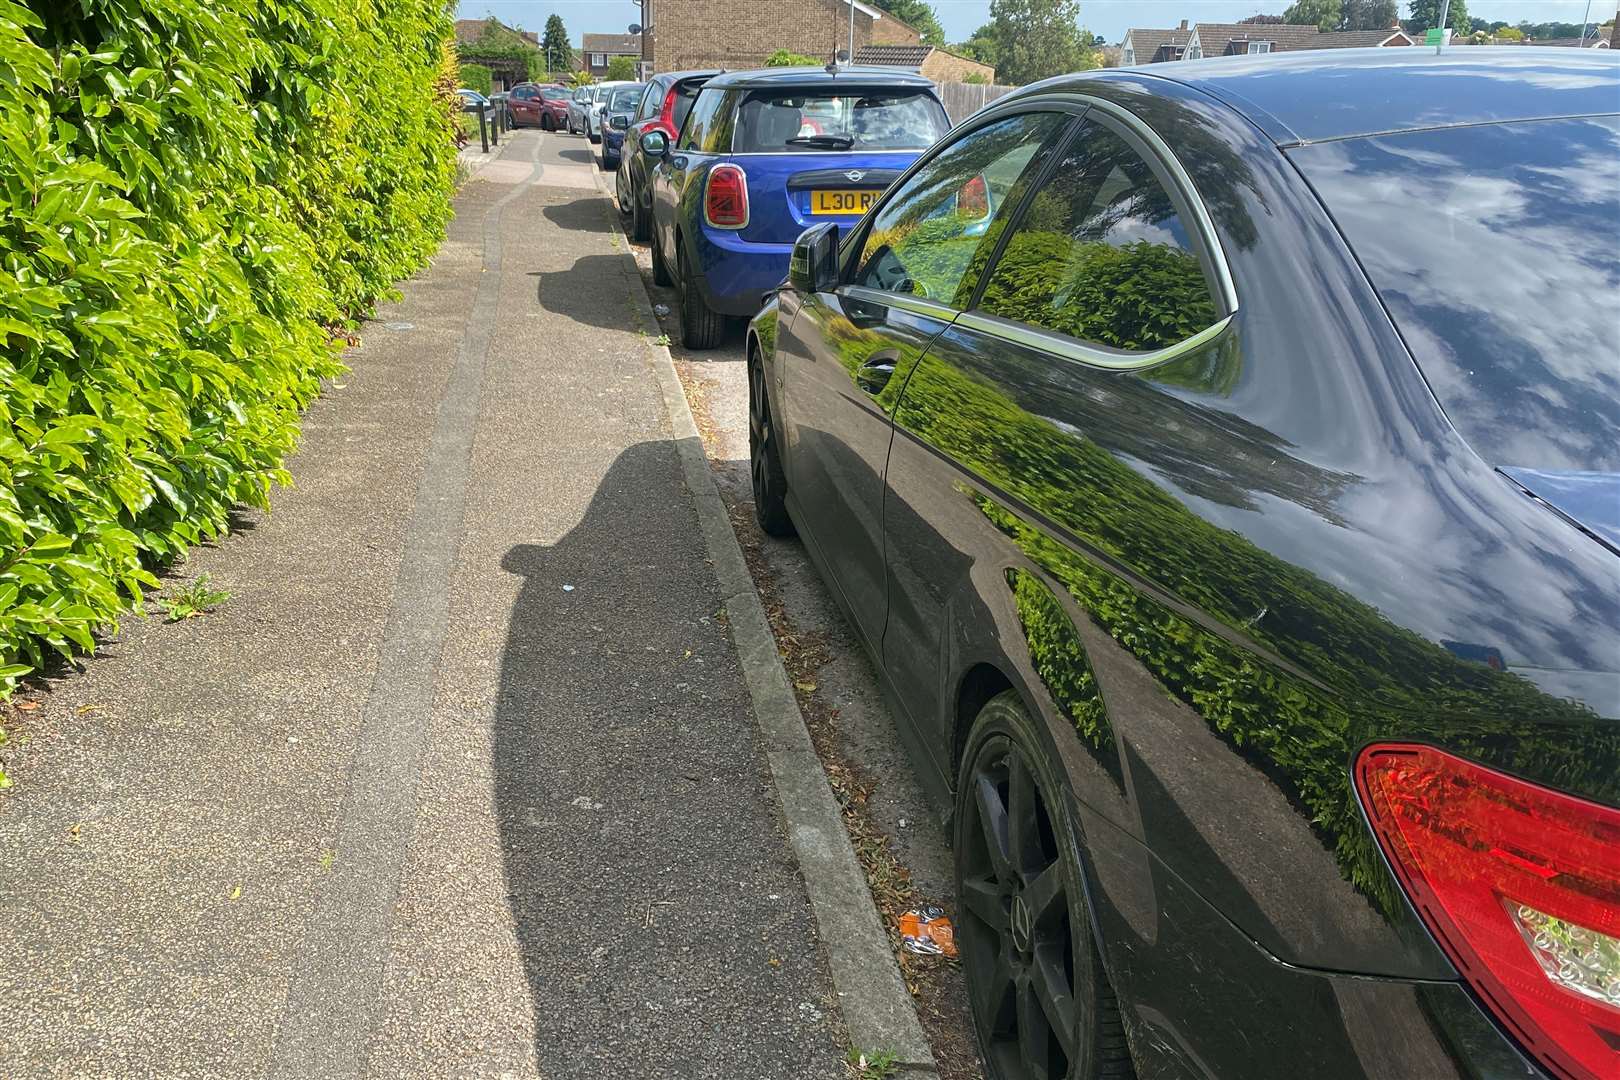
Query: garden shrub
{"points": [[194, 194], [477, 77]]}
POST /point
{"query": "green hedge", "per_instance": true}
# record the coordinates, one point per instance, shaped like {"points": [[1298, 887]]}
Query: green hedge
{"points": [[477, 77], [195, 197]]}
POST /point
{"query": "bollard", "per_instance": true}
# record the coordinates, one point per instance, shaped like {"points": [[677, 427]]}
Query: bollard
{"points": [[483, 128], [494, 129]]}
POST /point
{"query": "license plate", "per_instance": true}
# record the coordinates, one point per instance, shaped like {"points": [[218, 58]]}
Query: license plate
{"points": [[842, 202]]}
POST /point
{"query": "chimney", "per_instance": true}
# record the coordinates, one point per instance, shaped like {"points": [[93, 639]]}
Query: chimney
{"points": [[1183, 25]]}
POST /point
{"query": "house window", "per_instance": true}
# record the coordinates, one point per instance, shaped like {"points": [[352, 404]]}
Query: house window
{"points": [[598, 59], [1194, 51], [1129, 58], [1259, 47]]}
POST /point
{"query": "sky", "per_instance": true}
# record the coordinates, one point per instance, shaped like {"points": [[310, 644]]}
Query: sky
{"points": [[1106, 18]]}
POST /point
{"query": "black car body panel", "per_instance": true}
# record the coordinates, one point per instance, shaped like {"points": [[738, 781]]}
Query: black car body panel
{"points": [[1215, 579]]}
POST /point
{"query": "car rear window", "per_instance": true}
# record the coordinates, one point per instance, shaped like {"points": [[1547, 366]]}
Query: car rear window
{"points": [[685, 95], [554, 93], [1497, 251], [840, 119], [624, 98]]}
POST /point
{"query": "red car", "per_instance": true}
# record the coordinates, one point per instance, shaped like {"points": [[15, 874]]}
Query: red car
{"points": [[544, 106]]}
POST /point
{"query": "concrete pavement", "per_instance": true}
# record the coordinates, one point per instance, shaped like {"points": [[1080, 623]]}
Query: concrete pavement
{"points": [[463, 780]]}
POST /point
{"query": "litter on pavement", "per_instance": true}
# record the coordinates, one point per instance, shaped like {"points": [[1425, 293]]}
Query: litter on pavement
{"points": [[927, 932]]}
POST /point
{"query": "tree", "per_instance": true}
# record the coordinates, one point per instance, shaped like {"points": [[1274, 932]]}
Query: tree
{"points": [[1425, 15], [1509, 33], [1369, 14], [1038, 39], [621, 69], [981, 46], [554, 45], [1262, 20], [920, 15], [1325, 15]]}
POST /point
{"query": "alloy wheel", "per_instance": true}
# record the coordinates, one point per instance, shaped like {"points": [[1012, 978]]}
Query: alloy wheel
{"points": [[1016, 936], [759, 433]]}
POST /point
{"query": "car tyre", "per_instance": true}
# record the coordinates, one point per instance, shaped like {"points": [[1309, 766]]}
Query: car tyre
{"points": [[766, 475], [702, 327], [660, 270], [546, 123], [1040, 999], [639, 215]]}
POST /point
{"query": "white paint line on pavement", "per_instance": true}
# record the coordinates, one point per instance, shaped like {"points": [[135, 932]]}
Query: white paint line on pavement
{"points": [[337, 975]]}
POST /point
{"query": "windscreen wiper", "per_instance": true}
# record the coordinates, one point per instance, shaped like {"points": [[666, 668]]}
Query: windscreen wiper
{"points": [[823, 142]]}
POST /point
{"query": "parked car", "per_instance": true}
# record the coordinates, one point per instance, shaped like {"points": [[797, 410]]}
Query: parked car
{"points": [[544, 106], [1237, 541], [664, 106], [619, 109], [578, 99], [591, 109], [763, 154], [472, 100]]}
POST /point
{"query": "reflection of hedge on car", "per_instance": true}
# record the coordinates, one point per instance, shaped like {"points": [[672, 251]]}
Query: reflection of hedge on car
{"points": [[185, 215], [1283, 717]]}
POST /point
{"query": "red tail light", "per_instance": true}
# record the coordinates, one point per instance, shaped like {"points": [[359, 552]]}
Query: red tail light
{"points": [[666, 114], [1521, 885], [974, 198], [725, 201]]}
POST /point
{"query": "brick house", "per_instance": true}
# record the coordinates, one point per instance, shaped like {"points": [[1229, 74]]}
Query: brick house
{"points": [[1149, 46], [736, 34], [938, 64], [598, 50]]}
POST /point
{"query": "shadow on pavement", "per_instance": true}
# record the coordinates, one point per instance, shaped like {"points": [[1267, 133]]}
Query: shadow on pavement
{"points": [[578, 155], [584, 214], [559, 290], [657, 908]]}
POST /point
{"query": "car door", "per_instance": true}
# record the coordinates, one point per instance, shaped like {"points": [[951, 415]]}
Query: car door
{"points": [[1029, 453], [524, 102], [846, 354]]}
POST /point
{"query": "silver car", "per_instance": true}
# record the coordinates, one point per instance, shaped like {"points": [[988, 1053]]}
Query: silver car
{"points": [[597, 106]]}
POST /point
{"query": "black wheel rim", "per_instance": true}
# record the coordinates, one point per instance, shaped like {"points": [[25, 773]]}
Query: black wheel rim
{"points": [[1016, 940], [759, 433]]}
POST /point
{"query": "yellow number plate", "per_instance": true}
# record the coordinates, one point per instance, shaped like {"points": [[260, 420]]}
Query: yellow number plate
{"points": [[841, 202]]}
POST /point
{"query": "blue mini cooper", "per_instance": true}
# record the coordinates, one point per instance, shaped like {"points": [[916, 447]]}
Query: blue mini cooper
{"points": [[762, 155]]}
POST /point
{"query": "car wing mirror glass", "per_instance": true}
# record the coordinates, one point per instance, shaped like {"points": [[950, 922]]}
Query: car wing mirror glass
{"points": [[655, 143], [813, 266]]}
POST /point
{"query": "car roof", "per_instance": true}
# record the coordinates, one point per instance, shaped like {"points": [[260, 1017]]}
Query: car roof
{"points": [[1313, 95], [815, 76]]}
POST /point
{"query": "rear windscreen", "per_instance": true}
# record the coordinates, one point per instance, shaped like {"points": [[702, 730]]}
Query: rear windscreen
{"points": [[1497, 251], [800, 121], [625, 98], [554, 93]]}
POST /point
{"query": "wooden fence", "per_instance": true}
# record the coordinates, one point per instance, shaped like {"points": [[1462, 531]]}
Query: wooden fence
{"points": [[962, 100]]}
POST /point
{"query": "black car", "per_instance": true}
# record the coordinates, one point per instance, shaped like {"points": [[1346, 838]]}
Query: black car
{"points": [[664, 105], [1222, 464]]}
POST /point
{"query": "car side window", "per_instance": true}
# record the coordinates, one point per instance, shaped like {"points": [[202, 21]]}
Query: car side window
{"points": [[1101, 254], [934, 235], [651, 99], [696, 128]]}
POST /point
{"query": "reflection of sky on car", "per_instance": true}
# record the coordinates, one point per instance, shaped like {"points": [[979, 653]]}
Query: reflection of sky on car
{"points": [[1502, 285]]}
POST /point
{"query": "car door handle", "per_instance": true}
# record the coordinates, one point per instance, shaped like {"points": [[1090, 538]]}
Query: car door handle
{"points": [[873, 375]]}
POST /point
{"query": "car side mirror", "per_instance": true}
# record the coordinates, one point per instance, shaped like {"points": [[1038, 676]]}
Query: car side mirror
{"points": [[619, 123], [813, 266], [656, 144]]}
